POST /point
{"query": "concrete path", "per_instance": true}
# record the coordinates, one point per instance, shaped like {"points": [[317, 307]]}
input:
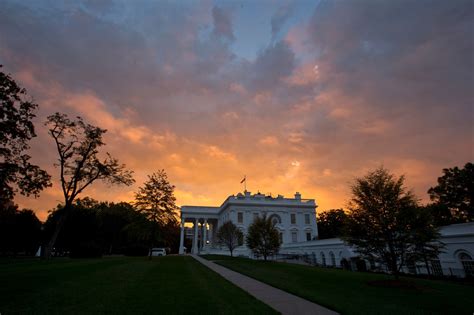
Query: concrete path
{"points": [[279, 300]]}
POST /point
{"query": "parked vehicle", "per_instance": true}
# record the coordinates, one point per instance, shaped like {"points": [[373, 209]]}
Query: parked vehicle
{"points": [[156, 251]]}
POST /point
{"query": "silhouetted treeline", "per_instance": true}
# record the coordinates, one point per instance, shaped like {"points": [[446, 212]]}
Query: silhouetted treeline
{"points": [[96, 228], [20, 231], [452, 202], [92, 229]]}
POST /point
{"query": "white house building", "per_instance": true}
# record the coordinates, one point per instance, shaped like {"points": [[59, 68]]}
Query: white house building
{"points": [[455, 260], [295, 219]]}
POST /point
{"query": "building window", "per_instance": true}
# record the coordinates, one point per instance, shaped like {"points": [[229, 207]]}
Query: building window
{"points": [[281, 238], [240, 217], [467, 264], [275, 219], [436, 267], [411, 265], [255, 216], [294, 237], [306, 218], [293, 218], [308, 236], [333, 259], [323, 259]]}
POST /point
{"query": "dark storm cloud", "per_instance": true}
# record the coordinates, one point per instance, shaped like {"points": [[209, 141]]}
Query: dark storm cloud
{"points": [[359, 84], [273, 64], [280, 17], [222, 23], [398, 50]]}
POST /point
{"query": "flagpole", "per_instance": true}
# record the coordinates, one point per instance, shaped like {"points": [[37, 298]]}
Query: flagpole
{"points": [[245, 182]]}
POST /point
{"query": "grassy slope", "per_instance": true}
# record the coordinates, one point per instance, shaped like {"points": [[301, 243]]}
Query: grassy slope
{"points": [[349, 293], [120, 285]]}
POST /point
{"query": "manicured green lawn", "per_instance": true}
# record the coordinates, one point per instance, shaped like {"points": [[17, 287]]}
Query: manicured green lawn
{"points": [[349, 292], [120, 285]]}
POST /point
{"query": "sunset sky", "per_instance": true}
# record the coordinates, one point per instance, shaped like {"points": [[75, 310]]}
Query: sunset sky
{"points": [[297, 95]]}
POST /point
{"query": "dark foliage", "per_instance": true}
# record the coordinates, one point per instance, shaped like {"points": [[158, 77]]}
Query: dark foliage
{"points": [[331, 223], [16, 130], [441, 214], [20, 231], [156, 201], [425, 245], [96, 228], [230, 236], [78, 145], [263, 238], [385, 224], [455, 190], [93, 229]]}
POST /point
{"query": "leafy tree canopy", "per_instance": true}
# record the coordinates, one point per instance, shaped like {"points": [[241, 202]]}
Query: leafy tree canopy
{"points": [[230, 236], [331, 223], [156, 199], [455, 190], [383, 223], [78, 145], [20, 231], [263, 238], [16, 130]]}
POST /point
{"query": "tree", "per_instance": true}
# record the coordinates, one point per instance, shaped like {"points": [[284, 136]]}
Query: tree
{"points": [[16, 130], [113, 219], [331, 223], [157, 202], [441, 214], [455, 190], [425, 243], [263, 238], [19, 231], [380, 221], [80, 233], [78, 145], [230, 236]]}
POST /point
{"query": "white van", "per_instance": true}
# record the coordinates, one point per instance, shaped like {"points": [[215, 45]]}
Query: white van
{"points": [[155, 251]]}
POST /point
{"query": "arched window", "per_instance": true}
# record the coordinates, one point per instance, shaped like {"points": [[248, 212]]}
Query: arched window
{"points": [[467, 263], [323, 259], [315, 260], [275, 218], [333, 259]]}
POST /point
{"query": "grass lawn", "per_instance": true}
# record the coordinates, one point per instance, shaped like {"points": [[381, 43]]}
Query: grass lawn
{"points": [[349, 292], [167, 285]]}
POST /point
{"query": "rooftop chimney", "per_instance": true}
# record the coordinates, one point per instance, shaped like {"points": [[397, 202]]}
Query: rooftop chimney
{"points": [[297, 196]]}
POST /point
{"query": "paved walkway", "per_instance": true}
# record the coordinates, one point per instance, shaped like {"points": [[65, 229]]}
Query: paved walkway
{"points": [[281, 301]]}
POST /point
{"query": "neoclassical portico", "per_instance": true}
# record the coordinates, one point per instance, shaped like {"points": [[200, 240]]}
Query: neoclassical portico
{"points": [[204, 221], [295, 219]]}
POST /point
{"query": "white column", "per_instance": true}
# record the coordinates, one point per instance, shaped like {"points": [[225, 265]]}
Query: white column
{"points": [[204, 234], [211, 234], [181, 238], [195, 237]]}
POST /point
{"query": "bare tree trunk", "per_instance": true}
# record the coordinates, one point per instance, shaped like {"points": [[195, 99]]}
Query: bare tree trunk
{"points": [[395, 268], [62, 220], [427, 267]]}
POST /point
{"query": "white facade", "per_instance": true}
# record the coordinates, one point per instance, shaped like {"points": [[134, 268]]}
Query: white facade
{"points": [[455, 260], [295, 219]]}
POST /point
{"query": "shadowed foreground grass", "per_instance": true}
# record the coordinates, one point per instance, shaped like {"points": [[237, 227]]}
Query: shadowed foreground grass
{"points": [[120, 285], [349, 292]]}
